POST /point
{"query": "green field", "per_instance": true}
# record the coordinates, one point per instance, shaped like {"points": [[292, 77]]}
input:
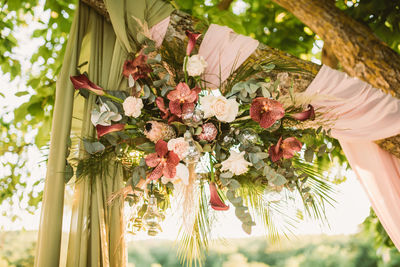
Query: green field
{"points": [[17, 249]]}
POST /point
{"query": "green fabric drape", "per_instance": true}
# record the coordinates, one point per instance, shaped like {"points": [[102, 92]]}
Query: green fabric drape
{"points": [[96, 235]]}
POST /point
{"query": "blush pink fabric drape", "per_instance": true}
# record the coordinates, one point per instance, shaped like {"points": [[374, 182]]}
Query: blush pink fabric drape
{"points": [[224, 51], [159, 30], [361, 114]]}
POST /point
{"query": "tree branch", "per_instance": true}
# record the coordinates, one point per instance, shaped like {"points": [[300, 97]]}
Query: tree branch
{"points": [[224, 4], [359, 51]]}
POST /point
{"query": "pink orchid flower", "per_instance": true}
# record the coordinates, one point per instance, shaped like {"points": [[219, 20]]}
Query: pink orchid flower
{"points": [[83, 82], [163, 161], [266, 111], [137, 68], [182, 99], [284, 149], [215, 201], [192, 41]]}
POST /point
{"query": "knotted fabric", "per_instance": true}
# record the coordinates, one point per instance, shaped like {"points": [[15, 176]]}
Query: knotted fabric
{"points": [[361, 114]]}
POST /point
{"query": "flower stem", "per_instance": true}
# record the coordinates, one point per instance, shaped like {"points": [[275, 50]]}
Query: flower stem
{"points": [[184, 68], [116, 99], [211, 168], [243, 118]]}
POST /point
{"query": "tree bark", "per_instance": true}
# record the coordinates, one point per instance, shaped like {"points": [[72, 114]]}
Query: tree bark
{"points": [[359, 51], [180, 22]]}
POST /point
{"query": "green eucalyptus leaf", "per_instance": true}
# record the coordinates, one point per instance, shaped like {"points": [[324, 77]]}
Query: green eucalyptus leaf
{"points": [[234, 184], [321, 150], [79, 169], [93, 147], [146, 147], [309, 155], [69, 172], [226, 175]]}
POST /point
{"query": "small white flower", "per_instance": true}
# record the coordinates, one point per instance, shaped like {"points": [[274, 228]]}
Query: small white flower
{"points": [[108, 112], [224, 109], [182, 175], [133, 106], [196, 65], [236, 163], [179, 146]]}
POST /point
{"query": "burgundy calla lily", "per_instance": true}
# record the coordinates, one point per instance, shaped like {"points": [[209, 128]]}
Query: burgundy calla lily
{"points": [[137, 67], [215, 201], [103, 130], [182, 99], [266, 111], [284, 149], [83, 82], [163, 161], [161, 106], [308, 114], [192, 41]]}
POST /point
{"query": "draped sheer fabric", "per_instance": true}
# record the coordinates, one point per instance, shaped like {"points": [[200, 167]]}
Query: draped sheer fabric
{"points": [[96, 236], [361, 114]]}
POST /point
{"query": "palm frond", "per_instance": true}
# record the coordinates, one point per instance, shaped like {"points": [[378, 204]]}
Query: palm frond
{"points": [[323, 191], [275, 216], [193, 246]]}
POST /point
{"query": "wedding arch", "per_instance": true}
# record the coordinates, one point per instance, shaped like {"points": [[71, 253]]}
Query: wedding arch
{"points": [[124, 54]]}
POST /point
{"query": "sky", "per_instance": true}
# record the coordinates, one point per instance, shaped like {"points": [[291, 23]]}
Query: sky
{"points": [[351, 209]]}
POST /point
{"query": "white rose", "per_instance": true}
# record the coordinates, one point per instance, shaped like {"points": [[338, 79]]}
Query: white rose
{"points": [[236, 163], [182, 175], [179, 146], [133, 106], [224, 109], [196, 65]]}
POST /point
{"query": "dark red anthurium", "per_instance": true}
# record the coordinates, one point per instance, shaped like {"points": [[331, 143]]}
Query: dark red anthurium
{"points": [[83, 82], [266, 111], [182, 99], [103, 130], [308, 114], [215, 201], [192, 41], [137, 67], [284, 149], [163, 161]]}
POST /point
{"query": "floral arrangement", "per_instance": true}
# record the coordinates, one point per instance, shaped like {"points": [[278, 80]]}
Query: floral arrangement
{"points": [[171, 132]]}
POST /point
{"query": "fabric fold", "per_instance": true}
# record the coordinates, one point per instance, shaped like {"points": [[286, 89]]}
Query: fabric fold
{"points": [[224, 50], [360, 114]]}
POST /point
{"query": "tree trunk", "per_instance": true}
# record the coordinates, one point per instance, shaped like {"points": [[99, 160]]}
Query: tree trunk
{"points": [[180, 22]]}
